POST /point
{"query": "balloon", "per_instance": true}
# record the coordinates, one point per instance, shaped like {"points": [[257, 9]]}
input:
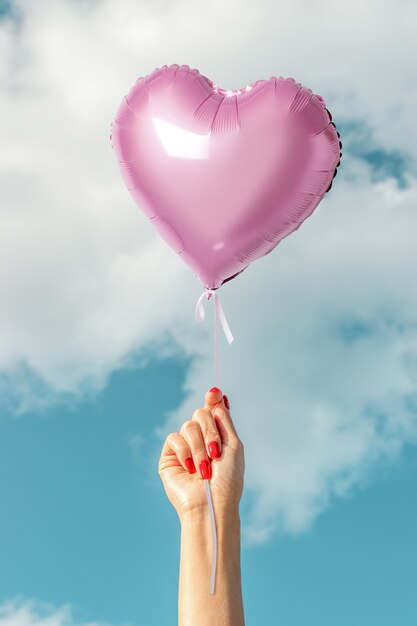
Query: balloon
{"points": [[224, 175]]}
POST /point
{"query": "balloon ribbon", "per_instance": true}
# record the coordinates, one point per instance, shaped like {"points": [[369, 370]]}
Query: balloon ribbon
{"points": [[200, 316]]}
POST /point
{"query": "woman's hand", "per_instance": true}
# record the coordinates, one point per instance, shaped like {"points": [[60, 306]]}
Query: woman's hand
{"points": [[192, 454]]}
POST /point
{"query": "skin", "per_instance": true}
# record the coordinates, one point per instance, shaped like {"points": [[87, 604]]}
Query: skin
{"points": [[186, 492]]}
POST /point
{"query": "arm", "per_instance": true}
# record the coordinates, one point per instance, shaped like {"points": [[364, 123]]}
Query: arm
{"points": [[196, 606], [207, 446]]}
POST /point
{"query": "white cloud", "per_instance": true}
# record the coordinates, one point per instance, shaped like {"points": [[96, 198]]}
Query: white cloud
{"points": [[22, 611], [326, 346], [85, 281]]}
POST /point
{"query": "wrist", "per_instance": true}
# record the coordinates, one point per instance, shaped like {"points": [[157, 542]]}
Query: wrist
{"points": [[225, 517], [196, 530]]}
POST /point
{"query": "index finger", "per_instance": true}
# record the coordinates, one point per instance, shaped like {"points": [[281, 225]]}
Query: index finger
{"points": [[214, 401], [213, 398]]}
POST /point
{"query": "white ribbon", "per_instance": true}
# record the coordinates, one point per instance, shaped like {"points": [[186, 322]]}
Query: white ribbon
{"points": [[200, 313]]}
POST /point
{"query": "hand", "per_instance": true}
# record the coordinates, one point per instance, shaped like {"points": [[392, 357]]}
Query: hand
{"points": [[187, 457]]}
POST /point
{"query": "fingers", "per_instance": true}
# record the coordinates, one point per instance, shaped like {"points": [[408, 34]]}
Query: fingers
{"points": [[176, 446], [202, 438], [219, 403], [211, 435], [191, 432]]}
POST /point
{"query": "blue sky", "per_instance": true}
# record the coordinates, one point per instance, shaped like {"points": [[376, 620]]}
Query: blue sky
{"points": [[101, 357], [84, 520]]}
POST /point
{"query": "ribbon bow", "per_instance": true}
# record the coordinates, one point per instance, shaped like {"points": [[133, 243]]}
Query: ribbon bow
{"points": [[200, 313]]}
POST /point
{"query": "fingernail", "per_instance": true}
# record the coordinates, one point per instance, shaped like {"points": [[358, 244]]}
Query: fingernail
{"points": [[190, 465], [214, 450], [214, 390], [205, 470], [226, 402]]}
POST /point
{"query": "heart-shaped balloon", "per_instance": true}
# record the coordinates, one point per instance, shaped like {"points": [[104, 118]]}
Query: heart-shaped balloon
{"points": [[224, 175]]}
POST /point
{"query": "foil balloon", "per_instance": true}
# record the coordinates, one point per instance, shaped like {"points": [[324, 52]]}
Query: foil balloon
{"points": [[224, 175]]}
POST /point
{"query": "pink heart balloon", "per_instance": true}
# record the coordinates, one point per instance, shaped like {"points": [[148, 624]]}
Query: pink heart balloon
{"points": [[224, 175]]}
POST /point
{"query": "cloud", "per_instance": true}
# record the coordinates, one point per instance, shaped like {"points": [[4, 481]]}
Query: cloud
{"points": [[326, 347], [22, 611], [325, 326]]}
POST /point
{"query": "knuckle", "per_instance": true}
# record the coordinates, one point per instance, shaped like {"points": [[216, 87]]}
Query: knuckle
{"points": [[199, 414], [188, 426], [212, 435], [199, 451]]}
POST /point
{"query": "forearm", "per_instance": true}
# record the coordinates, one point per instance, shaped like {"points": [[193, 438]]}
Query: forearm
{"points": [[196, 606]]}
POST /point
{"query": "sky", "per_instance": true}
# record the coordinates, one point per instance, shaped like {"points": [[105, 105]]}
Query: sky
{"points": [[101, 356]]}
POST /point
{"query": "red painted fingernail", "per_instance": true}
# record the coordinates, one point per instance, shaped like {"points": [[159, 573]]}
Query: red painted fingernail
{"points": [[205, 469], [214, 390], [190, 465], [226, 402], [214, 450]]}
